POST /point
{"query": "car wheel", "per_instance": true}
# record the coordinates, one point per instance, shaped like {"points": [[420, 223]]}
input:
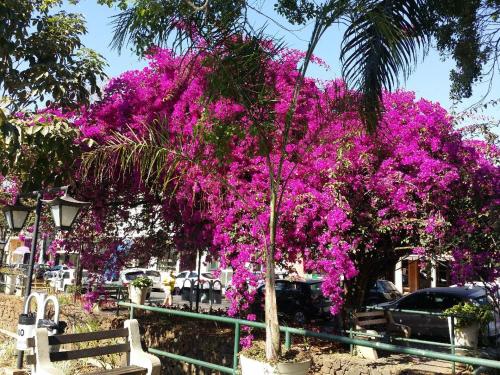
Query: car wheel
{"points": [[299, 317], [177, 291]]}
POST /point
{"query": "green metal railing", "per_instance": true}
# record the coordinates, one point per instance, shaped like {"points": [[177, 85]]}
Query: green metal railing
{"points": [[289, 331], [451, 345]]}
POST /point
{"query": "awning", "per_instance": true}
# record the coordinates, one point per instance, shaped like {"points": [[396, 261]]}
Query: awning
{"points": [[22, 250]]}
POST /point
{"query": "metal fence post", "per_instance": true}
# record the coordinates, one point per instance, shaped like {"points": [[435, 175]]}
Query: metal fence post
{"points": [[118, 299], [288, 340], [211, 294], [236, 346], [351, 329], [452, 343]]}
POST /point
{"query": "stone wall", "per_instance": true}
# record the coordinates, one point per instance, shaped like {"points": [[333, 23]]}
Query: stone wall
{"points": [[10, 308]]}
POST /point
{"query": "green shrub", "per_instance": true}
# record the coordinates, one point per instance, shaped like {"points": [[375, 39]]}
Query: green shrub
{"points": [[142, 282], [468, 313]]}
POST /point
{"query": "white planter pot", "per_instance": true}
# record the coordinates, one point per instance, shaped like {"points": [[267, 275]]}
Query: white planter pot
{"points": [[466, 336], [138, 295], [10, 281], [251, 366]]}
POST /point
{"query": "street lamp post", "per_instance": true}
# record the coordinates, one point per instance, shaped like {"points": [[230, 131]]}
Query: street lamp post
{"points": [[64, 211], [3, 243]]}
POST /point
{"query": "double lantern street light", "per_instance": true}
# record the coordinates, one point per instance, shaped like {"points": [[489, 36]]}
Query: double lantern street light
{"points": [[64, 211]]}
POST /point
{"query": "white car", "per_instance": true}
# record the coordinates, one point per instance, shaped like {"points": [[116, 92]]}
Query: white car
{"points": [[66, 278], [186, 278], [127, 275], [54, 271], [156, 277]]}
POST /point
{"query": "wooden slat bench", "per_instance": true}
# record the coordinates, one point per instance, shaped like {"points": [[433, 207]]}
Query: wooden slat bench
{"points": [[140, 362], [381, 323]]}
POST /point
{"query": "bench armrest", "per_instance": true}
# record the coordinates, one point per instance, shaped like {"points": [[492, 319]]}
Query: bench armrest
{"points": [[138, 356], [43, 364]]}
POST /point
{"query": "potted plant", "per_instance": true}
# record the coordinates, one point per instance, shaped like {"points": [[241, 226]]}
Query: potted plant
{"points": [[468, 318], [292, 362], [139, 288]]}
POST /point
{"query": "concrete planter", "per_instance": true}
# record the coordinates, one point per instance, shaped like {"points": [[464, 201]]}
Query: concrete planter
{"points": [[251, 366], [466, 336], [138, 295], [10, 284]]}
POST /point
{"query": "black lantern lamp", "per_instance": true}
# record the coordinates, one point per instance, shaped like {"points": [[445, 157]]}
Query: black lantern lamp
{"points": [[16, 215], [65, 210]]}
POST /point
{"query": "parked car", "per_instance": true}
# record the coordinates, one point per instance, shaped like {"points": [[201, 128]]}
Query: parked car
{"points": [[128, 275], [436, 300], [298, 301], [205, 279], [156, 277], [66, 278], [52, 271], [382, 291]]}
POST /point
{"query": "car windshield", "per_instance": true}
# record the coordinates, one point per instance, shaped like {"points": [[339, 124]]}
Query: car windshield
{"points": [[208, 275], [387, 285], [133, 275], [153, 273]]}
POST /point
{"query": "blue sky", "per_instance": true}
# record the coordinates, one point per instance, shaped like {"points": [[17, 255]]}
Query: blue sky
{"points": [[429, 80]]}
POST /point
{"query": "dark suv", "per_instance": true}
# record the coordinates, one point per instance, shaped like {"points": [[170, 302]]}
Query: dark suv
{"points": [[298, 301]]}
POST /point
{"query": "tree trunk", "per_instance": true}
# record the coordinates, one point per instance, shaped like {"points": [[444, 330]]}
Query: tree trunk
{"points": [[273, 347]]}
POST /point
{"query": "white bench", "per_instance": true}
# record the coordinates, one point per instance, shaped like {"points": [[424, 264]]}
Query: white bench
{"points": [[139, 363], [384, 326]]}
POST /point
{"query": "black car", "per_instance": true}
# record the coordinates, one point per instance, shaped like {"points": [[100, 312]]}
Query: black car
{"points": [[434, 300], [298, 301], [381, 291]]}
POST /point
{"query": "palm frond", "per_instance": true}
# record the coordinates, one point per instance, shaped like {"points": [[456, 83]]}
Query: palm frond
{"points": [[154, 158], [178, 23], [381, 43]]}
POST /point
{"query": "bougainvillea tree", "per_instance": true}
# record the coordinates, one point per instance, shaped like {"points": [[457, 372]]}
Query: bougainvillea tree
{"points": [[346, 204], [206, 153]]}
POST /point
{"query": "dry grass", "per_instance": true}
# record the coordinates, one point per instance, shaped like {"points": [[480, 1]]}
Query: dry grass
{"points": [[8, 352]]}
